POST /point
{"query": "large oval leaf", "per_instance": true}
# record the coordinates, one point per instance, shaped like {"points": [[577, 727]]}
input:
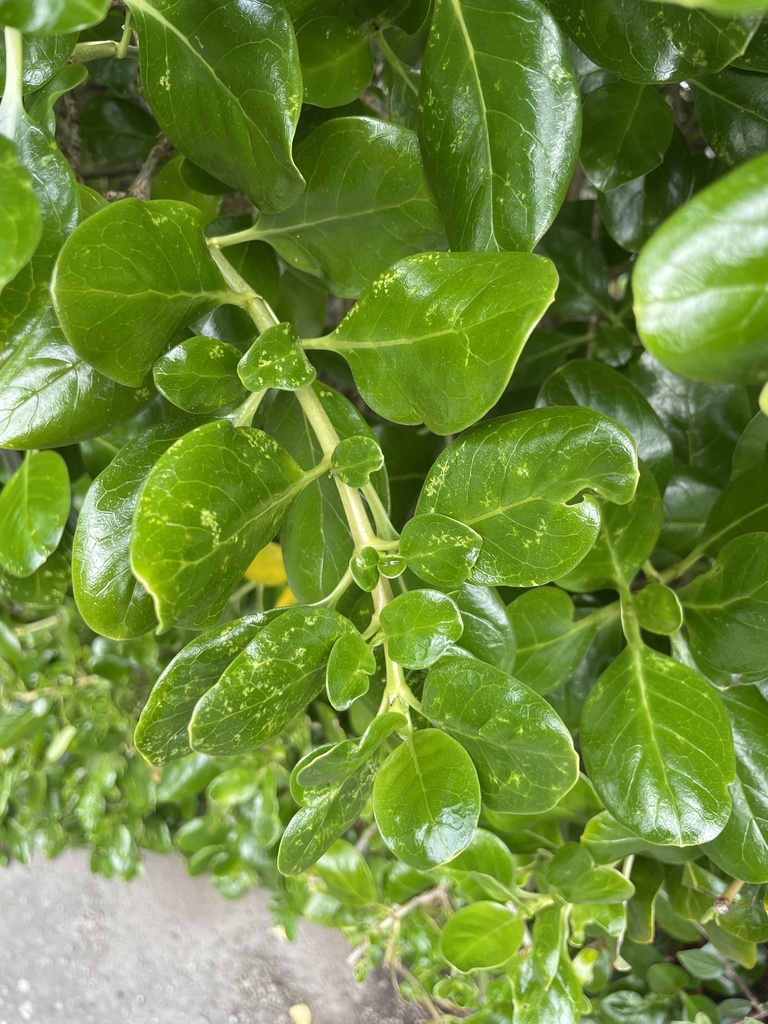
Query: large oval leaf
{"points": [[34, 506], [210, 502], [224, 83], [699, 283], [522, 751], [437, 336], [426, 799], [657, 745], [500, 121], [513, 480]]}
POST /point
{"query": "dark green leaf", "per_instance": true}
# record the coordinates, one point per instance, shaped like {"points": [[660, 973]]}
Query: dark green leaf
{"points": [[751, 446], [21, 223], [740, 508], [419, 626], [209, 504], [499, 121], [513, 480], [336, 61], [481, 936], [50, 16], [349, 666], [43, 591], [688, 500], [115, 132], [276, 360], [200, 375], [224, 83], [426, 799], [43, 56], [488, 633], [34, 506], [732, 110], [439, 550], [657, 745]]}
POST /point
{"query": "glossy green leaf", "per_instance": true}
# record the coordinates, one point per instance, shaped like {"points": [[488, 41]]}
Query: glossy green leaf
{"points": [[350, 665], [550, 642], [43, 591], [658, 609], [741, 849], [116, 131], [627, 129], [200, 375], [499, 121], [657, 745], [440, 550], [366, 205], [513, 480], [647, 42], [347, 875], [419, 626], [732, 110], [161, 733], [548, 938], [488, 634], [364, 567], [560, 1003], [482, 936], [210, 502], [595, 386], [740, 508], [699, 282], [522, 751], [21, 223], [336, 61], [608, 841], [42, 57], [356, 459], [574, 876], [34, 506], [751, 447], [437, 336], [108, 595], [47, 17], [280, 671], [340, 760], [426, 799], [224, 83], [583, 272], [128, 278], [726, 609], [276, 360]]}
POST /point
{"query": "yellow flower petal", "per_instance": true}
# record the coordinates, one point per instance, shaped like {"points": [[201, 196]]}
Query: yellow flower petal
{"points": [[267, 567]]}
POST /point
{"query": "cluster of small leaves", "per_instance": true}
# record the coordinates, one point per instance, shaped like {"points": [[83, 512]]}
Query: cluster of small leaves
{"points": [[465, 305]]}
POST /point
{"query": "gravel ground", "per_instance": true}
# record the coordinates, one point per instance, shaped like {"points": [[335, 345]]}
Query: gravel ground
{"points": [[166, 949]]}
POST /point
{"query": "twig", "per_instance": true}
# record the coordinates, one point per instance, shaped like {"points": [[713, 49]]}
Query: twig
{"points": [[365, 837], [370, 99], [158, 157]]}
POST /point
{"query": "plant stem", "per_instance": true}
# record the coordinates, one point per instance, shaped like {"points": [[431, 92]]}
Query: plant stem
{"points": [[36, 627], [11, 105], [254, 305], [101, 48], [246, 235], [159, 156], [394, 62]]}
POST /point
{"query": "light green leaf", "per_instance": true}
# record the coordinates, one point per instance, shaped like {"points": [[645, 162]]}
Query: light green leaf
{"points": [[43, 56], [574, 876], [200, 375], [280, 671], [481, 936], [522, 751], [43, 591], [337, 761], [437, 336], [419, 626], [513, 480], [350, 664], [426, 799], [161, 733], [499, 121], [356, 459], [658, 609], [128, 278], [657, 745], [627, 129], [347, 875], [336, 61], [34, 506], [276, 360], [439, 549], [47, 17], [732, 110], [21, 223], [209, 504], [366, 205], [560, 1003], [224, 83], [699, 282]]}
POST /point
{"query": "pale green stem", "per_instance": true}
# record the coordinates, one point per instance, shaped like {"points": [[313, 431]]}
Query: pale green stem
{"points": [[11, 105], [246, 411], [35, 627], [246, 235], [83, 53], [124, 45], [254, 305], [651, 572], [395, 63], [384, 525], [338, 591]]}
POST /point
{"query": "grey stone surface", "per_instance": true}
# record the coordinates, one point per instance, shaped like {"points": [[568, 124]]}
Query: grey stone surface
{"points": [[165, 949]]}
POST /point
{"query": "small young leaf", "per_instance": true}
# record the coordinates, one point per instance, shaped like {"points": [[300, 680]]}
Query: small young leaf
{"points": [[440, 550], [658, 609], [419, 626], [364, 567], [339, 760], [481, 936], [276, 360], [200, 375], [426, 799], [350, 664], [336, 61], [34, 506], [355, 458]]}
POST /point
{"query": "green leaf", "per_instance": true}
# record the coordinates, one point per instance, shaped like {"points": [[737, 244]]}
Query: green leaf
{"points": [[488, 634], [128, 278], [426, 799], [347, 875], [337, 761], [43, 56], [350, 664], [647, 43], [499, 121], [419, 626], [740, 508], [108, 595], [657, 745], [276, 360], [658, 609], [522, 751], [699, 282], [224, 83], [209, 504], [364, 567], [726, 609], [550, 644], [276, 676], [47, 17], [548, 939], [701, 963], [437, 336], [751, 447], [200, 375], [356, 459], [608, 841], [21, 223], [34, 506], [593, 385], [439, 549], [741, 849], [574, 876], [732, 110], [560, 1003], [161, 733], [513, 480], [43, 591], [627, 129], [366, 205], [481, 936], [336, 61]]}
